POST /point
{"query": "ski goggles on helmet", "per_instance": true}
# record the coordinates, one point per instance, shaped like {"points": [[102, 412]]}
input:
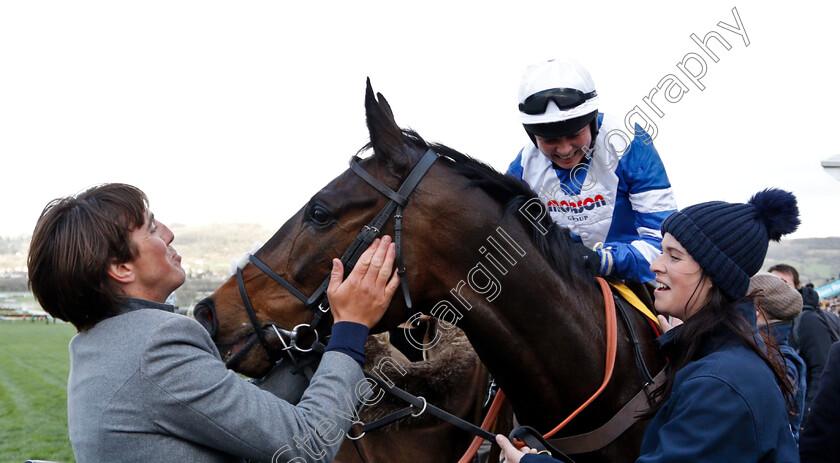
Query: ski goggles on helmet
{"points": [[564, 98]]}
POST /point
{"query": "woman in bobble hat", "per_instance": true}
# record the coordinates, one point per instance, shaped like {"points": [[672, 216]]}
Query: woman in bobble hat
{"points": [[725, 399]]}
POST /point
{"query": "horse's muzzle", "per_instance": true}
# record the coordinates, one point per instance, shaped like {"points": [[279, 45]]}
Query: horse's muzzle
{"points": [[205, 314]]}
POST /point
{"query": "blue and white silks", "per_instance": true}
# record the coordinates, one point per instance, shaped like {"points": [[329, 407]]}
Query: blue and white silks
{"points": [[618, 197]]}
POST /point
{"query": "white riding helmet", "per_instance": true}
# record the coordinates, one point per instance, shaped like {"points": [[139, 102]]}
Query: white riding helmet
{"points": [[557, 96]]}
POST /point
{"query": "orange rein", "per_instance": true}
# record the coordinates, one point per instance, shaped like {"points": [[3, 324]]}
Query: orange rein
{"points": [[492, 414], [612, 347]]}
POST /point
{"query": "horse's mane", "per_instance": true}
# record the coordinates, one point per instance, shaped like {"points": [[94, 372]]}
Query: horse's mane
{"points": [[557, 246]]}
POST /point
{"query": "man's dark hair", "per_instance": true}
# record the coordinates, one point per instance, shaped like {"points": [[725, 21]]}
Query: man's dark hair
{"points": [[785, 268], [75, 241]]}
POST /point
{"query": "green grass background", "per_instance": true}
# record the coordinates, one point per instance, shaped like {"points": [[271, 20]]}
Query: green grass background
{"points": [[34, 364]]}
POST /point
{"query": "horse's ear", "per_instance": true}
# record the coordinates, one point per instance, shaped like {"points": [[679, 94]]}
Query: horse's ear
{"points": [[386, 138], [386, 106]]}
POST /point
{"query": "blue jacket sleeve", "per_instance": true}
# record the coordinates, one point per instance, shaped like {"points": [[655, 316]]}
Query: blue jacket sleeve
{"points": [[515, 168], [349, 338], [651, 200], [625, 261], [533, 458]]}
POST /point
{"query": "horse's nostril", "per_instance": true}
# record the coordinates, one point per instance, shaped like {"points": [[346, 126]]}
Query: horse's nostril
{"points": [[205, 314]]}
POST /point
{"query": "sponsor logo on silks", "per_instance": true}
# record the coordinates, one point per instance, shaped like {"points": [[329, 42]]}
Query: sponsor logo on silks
{"points": [[586, 204]]}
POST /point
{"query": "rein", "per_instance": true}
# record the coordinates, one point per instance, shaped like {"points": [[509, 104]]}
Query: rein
{"points": [[530, 436], [319, 305], [612, 347], [621, 421]]}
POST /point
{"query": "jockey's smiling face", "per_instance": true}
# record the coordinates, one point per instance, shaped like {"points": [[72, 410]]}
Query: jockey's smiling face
{"points": [[566, 151]]}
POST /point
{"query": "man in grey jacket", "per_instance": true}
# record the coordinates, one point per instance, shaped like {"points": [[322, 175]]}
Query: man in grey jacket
{"points": [[147, 384]]}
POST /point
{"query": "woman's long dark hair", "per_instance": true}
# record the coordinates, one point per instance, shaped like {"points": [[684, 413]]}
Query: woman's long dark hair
{"points": [[719, 313]]}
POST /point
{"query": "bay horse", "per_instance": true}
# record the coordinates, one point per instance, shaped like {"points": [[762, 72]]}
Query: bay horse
{"points": [[514, 282]]}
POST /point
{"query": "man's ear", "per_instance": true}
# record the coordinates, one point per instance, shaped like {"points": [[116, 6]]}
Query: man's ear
{"points": [[121, 272]]}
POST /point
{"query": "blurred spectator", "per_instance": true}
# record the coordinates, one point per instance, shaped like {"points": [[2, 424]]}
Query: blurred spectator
{"points": [[788, 273], [813, 331], [777, 305]]}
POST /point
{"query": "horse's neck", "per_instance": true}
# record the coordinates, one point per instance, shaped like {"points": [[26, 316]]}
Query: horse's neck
{"points": [[538, 330]]}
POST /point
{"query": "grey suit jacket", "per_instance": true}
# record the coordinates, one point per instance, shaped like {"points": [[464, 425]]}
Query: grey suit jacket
{"points": [[149, 385]]}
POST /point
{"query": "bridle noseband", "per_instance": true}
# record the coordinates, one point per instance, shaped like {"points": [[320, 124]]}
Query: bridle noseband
{"points": [[318, 302]]}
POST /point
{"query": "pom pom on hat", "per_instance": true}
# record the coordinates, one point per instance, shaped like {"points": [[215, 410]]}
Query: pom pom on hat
{"points": [[729, 240], [777, 208]]}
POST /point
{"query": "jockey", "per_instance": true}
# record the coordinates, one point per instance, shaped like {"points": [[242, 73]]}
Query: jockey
{"points": [[610, 189]]}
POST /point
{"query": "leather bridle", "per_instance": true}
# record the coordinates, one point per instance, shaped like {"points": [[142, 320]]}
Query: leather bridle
{"points": [[318, 302], [319, 305]]}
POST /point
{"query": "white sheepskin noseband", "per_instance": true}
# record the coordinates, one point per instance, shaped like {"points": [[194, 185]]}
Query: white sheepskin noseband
{"points": [[241, 262]]}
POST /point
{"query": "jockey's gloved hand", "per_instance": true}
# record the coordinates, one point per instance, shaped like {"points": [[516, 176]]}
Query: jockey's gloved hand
{"points": [[591, 260]]}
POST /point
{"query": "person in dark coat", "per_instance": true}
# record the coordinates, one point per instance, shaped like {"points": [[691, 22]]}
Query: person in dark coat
{"points": [[811, 338], [725, 398], [780, 304], [819, 441], [811, 335]]}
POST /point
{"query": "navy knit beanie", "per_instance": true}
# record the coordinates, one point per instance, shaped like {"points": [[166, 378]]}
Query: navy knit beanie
{"points": [[730, 241]]}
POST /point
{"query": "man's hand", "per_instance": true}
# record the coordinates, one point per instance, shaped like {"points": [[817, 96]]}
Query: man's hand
{"points": [[364, 296]]}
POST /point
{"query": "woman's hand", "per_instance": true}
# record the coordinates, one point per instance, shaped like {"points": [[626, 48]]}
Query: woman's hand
{"points": [[366, 293], [510, 454], [668, 325]]}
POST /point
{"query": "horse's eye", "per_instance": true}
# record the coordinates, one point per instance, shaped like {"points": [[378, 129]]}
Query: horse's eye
{"points": [[319, 215]]}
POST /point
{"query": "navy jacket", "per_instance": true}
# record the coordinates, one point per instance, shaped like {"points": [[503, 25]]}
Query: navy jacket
{"points": [[725, 406], [811, 338]]}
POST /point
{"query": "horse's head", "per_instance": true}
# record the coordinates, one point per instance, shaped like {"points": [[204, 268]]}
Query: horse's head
{"points": [[300, 252]]}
